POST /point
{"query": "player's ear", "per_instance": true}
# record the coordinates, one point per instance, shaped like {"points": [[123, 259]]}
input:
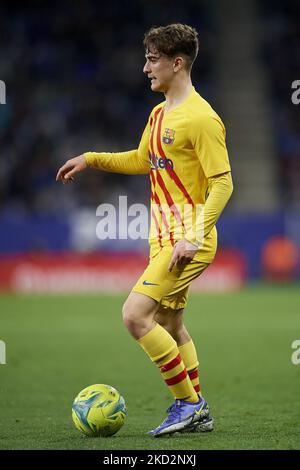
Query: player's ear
{"points": [[178, 63]]}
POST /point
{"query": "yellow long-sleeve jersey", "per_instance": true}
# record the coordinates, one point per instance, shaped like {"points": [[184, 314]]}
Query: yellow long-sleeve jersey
{"points": [[185, 153]]}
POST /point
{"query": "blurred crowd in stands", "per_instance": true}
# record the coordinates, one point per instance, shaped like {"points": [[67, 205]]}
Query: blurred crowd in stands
{"points": [[281, 51], [74, 83]]}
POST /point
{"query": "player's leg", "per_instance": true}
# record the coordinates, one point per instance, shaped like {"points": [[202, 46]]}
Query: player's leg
{"points": [[138, 316], [172, 321], [170, 314]]}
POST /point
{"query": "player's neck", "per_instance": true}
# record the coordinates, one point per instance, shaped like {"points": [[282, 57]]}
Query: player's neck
{"points": [[178, 92]]}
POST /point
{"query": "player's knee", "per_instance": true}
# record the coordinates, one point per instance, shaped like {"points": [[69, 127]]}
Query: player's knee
{"points": [[128, 315], [137, 317], [131, 319]]}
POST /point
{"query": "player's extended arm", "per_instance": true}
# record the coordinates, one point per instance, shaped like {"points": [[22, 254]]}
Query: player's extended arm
{"points": [[130, 163], [133, 162], [220, 189]]}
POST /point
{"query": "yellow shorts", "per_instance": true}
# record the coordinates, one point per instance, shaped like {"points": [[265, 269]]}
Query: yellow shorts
{"points": [[169, 288]]}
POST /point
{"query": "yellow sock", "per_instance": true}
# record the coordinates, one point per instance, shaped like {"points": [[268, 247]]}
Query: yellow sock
{"points": [[163, 350], [190, 360]]}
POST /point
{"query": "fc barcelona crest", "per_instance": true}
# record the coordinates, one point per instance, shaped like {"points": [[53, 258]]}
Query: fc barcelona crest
{"points": [[169, 136]]}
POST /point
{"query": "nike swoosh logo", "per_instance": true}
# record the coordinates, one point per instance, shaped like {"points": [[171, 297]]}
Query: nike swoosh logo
{"points": [[199, 411], [146, 283]]}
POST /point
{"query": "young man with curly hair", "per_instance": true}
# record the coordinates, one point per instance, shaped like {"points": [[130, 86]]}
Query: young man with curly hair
{"points": [[183, 149]]}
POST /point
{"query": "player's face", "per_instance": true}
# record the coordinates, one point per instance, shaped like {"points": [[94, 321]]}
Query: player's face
{"points": [[159, 70]]}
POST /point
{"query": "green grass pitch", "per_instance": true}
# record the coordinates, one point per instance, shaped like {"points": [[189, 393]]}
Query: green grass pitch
{"points": [[57, 345]]}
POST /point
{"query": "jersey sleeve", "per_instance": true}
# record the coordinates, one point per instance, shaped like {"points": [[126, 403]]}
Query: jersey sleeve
{"points": [[133, 162], [220, 189], [207, 134]]}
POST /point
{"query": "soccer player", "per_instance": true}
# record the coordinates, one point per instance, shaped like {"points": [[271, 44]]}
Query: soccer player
{"points": [[183, 149]]}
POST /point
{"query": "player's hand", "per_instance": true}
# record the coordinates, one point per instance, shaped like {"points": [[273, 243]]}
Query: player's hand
{"points": [[70, 168], [183, 253]]}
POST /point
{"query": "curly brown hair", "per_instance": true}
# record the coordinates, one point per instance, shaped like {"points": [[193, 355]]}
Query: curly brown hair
{"points": [[173, 39]]}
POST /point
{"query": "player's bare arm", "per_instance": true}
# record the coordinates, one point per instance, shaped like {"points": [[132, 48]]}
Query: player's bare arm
{"points": [[73, 166]]}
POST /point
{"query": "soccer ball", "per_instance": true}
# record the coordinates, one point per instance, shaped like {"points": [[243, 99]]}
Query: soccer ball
{"points": [[99, 410]]}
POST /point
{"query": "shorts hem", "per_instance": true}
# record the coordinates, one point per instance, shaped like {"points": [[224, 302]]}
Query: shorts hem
{"points": [[141, 291], [173, 305]]}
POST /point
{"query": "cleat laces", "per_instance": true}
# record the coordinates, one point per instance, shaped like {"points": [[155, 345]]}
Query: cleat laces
{"points": [[174, 412]]}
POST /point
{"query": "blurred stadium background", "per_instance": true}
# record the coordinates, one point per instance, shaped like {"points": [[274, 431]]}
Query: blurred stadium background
{"points": [[74, 83]]}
